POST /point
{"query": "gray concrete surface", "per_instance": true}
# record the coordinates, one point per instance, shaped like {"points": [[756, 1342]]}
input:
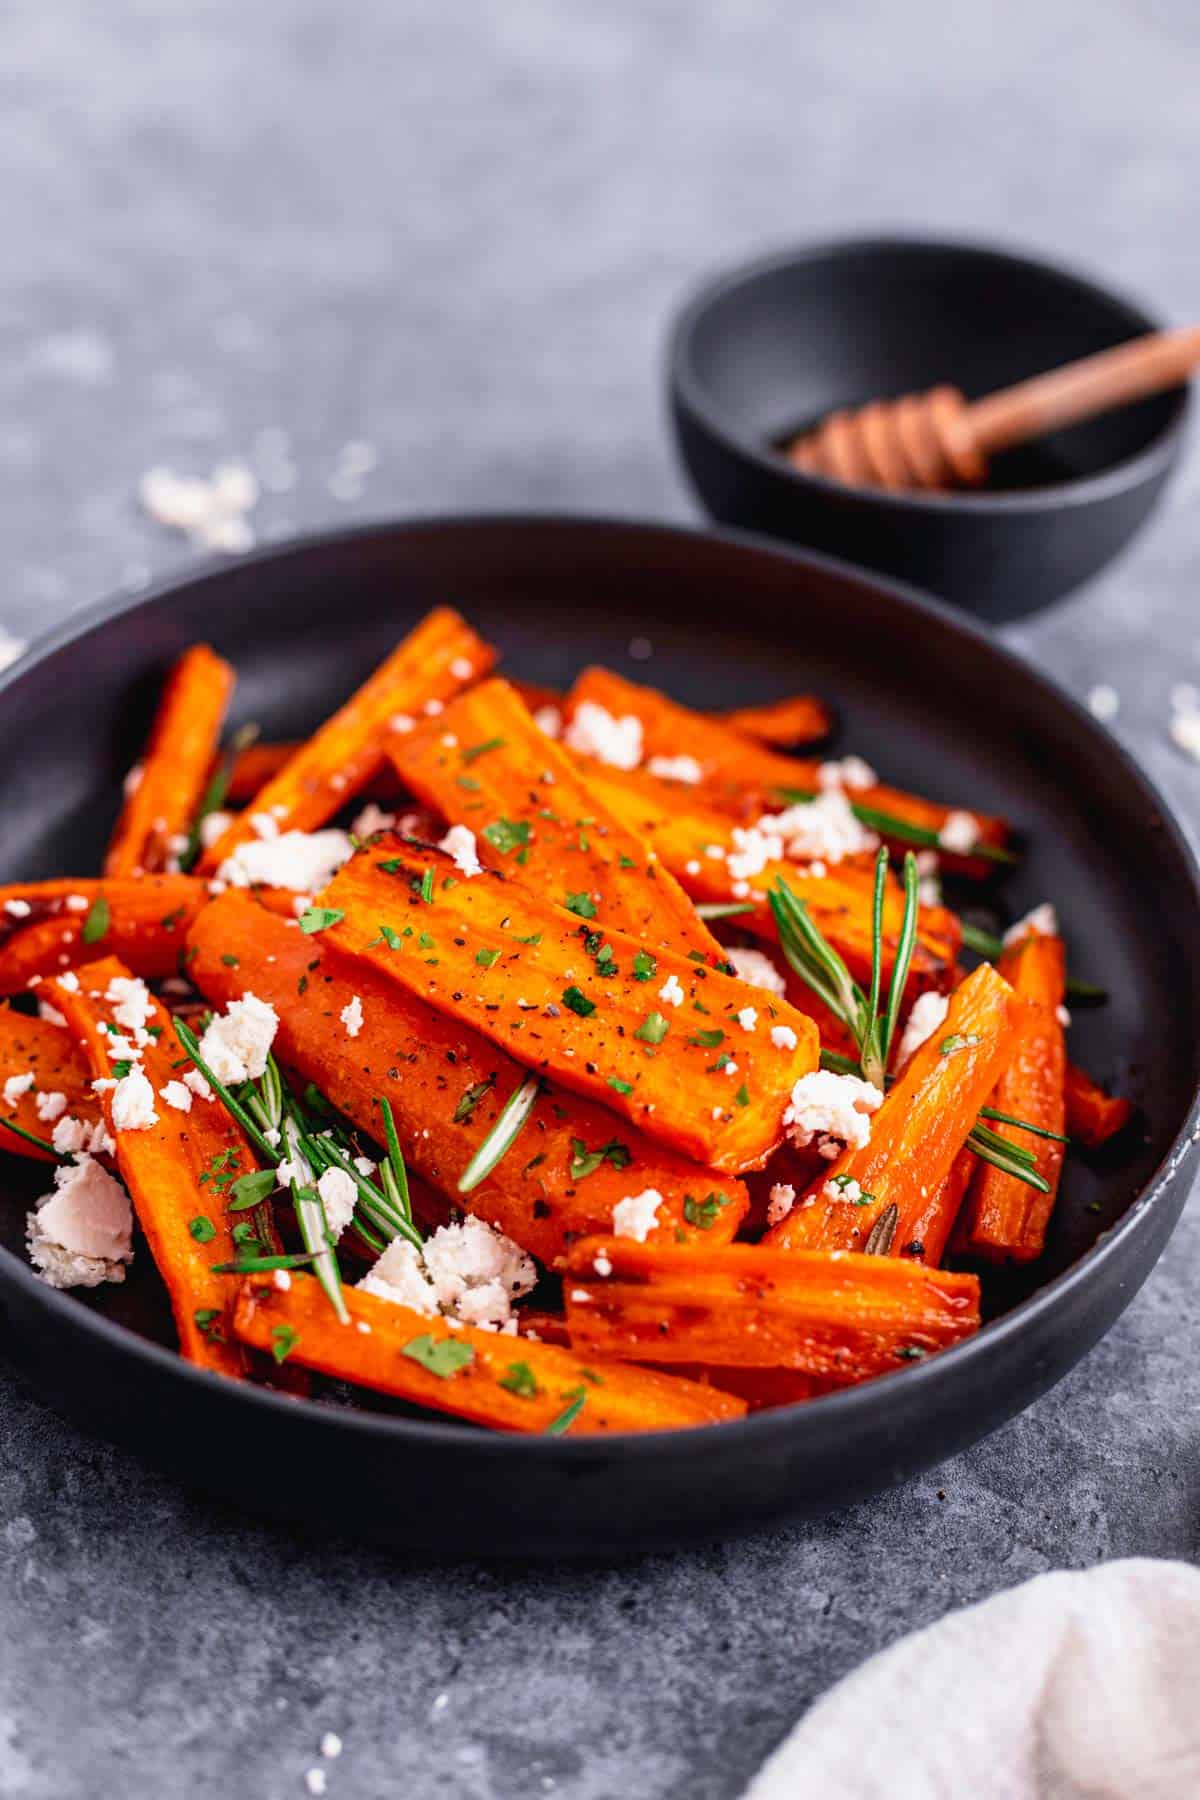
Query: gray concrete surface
{"points": [[456, 233]]}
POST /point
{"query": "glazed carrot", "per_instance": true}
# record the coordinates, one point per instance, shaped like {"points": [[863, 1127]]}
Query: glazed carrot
{"points": [[749, 1305], [508, 1383], [59, 924], [785, 724], [1092, 1115], [572, 1163], [179, 1170], [736, 773], [435, 660], [48, 1053], [928, 1230], [256, 764], [696, 842], [681, 1050], [917, 1132], [165, 790], [485, 765]]}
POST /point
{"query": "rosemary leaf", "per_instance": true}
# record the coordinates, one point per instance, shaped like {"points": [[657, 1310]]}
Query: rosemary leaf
{"points": [[503, 1135]]}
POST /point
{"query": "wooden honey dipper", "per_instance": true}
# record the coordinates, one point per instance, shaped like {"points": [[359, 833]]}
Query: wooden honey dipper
{"points": [[942, 440]]}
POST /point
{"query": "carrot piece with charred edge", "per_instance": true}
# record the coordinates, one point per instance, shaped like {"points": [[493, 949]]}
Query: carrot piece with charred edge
{"points": [[655, 1037], [174, 771], [446, 1085], [749, 1305], [179, 1171], [338, 761], [1093, 1117], [1005, 1220], [511, 1384], [783, 724], [38, 1048], [920, 1128], [739, 775], [484, 759], [141, 919], [681, 833]]}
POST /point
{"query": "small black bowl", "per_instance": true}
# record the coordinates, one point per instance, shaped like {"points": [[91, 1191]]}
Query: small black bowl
{"points": [[770, 348]]}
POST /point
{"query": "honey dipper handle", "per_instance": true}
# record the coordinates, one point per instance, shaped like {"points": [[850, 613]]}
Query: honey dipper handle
{"points": [[1144, 366]]}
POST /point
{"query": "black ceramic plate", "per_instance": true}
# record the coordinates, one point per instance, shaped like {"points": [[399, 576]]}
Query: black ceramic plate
{"points": [[928, 699]]}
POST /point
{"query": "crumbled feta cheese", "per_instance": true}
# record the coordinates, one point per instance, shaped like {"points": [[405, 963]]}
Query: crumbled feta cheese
{"points": [[730, 1068], [843, 1190], [81, 1233], [756, 968], [14, 1088], [365, 1166], [71, 1135], [549, 721], [133, 1103], [825, 827], [131, 1001], [960, 833], [17, 909], [470, 1272], [460, 845], [51, 1014], [314, 1781], [783, 1037], [928, 1012], [194, 1080], [780, 1202], [371, 819], [929, 886], [51, 1106], [602, 1265], [282, 1280], [1041, 921], [78, 903], [339, 1197], [176, 1095], [121, 1048], [1185, 733], [432, 708], [133, 780], [69, 980], [398, 1276], [462, 668], [637, 1215], [214, 825], [351, 1016], [1104, 702], [1063, 1016], [402, 723], [595, 732], [211, 513], [675, 768], [237, 1042], [331, 1743], [671, 992], [303, 860], [851, 772], [753, 849], [831, 1110], [747, 1018]]}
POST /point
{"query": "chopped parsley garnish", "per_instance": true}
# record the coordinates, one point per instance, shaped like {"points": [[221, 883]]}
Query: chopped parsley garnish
{"points": [[958, 1040], [230, 961], [319, 918], [653, 1029], [585, 1162], [578, 1002], [442, 1357], [703, 1213], [474, 750], [619, 1086], [520, 1381], [95, 926], [202, 1228], [707, 1040], [208, 1318], [535, 937], [251, 1190], [626, 862], [910, 1353], [427, 887], [283, 1341], [121, 1069], [581, 904], [485, 958], [568, 1416], [507, 835], [742, 1096], [387, 936], [644, 966], [471, 1099]]}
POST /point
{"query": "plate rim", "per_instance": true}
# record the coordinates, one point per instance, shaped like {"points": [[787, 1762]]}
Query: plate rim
{"points": [[752, 1430]]}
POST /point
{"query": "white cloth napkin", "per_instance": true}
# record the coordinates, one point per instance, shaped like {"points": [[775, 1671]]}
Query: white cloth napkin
{"points": [[1071, 1687]]}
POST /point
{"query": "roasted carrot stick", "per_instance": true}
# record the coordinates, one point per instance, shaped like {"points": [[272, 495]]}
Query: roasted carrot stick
{"points": [[61, 1085], [753, 1306], [706, 851], [485, 765], [930, 1228], [508, 1383], [784, 724], [736, 773], [46, 926], [694, 1057], [1005, 1220], [164, 790], [572, 1163], [1093, 1117], [917, 1132], [434, 661], [179, 1170]]}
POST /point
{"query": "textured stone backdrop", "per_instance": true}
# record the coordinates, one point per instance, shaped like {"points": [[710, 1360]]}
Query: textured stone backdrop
{"points": [[455, 233]]}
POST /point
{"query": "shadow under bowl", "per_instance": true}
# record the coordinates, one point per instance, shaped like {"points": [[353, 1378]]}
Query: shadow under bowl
{"points": [[769, 349]]}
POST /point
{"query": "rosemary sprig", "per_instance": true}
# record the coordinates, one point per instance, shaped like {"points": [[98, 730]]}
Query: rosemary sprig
{"points": [[724, 909], [991, 948], [310, 1216], [503, 1135], [989, 1112], [63, 1156], [1010, 1159], [901, 831]]}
